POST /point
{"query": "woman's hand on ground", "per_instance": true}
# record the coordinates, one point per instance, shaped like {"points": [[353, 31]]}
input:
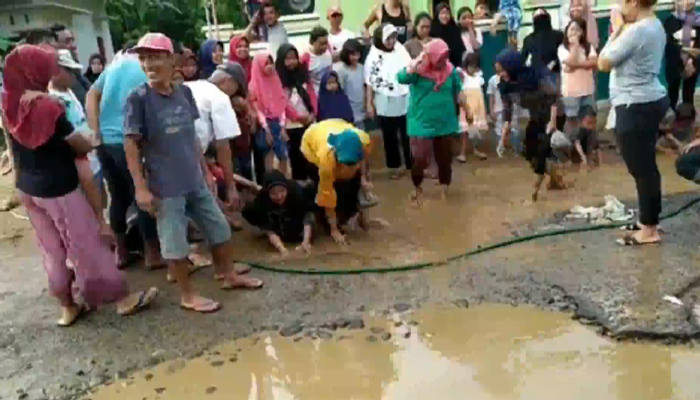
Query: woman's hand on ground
{"points": [[337, 236], [304, 247], [277, 242], [147, 202]]}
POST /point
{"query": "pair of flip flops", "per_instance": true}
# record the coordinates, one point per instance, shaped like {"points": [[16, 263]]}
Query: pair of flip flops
{"points": [[146, 297]]}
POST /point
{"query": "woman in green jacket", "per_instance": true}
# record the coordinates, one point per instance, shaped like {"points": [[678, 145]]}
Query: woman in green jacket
{"points": [[432, 117]]}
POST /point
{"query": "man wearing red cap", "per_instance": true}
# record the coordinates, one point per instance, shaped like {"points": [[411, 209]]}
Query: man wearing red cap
{"points": [[161, 139], [337, 35]]}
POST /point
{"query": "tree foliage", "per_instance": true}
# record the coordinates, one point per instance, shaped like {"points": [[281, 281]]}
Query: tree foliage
{"points": [[180, 20]]}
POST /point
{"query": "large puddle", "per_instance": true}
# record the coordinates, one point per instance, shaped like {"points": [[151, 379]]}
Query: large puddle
{"points": [[486, 353]]}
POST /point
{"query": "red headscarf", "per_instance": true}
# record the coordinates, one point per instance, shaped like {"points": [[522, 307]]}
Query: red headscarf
{"points": [[267, 90], [436, 51], [31, 121], [246, 63]]}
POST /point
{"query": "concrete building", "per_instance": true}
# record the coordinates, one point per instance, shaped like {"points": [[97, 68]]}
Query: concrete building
{"points": [[85, 18]]}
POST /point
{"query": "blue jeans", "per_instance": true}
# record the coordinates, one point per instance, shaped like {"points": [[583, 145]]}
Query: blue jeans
{"points": [[173, 217], [278, 145]]}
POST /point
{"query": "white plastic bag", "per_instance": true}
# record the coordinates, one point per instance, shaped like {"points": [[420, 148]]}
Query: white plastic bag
{"points": [[610, 123], [559, 140]]}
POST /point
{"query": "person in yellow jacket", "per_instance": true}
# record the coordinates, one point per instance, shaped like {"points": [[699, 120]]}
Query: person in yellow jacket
{"points": [[337, 153]]}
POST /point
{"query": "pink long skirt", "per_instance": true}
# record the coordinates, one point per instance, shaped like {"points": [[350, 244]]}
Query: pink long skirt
{"points": [[66, 227]]}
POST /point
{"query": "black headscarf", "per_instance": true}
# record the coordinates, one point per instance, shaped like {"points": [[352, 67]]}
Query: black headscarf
{"points": [[450, 33], [91, 76], [543, 43], [673, 50], [285, 220], [296, 78], [207, 66]]}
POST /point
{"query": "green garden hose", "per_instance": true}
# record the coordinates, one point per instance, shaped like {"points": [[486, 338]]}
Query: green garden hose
{"points": [[478, 250]]}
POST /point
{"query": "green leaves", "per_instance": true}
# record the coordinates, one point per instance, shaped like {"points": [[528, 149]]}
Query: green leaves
{"points": [[181, 20]]}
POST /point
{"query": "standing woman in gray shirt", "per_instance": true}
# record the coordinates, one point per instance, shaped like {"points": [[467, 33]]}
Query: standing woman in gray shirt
{"points": [[633, 55]]}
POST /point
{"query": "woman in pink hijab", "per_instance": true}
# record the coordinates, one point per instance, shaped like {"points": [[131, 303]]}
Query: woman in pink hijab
{"points": [[44, 146], [432, 121], [270, 101]]}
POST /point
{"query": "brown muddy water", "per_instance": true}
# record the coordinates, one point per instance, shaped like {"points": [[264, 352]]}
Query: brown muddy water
{"points": [[492, 352], [488, 200]]}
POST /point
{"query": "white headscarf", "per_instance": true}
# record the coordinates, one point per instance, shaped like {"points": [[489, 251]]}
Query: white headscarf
{"points": [[381, 67]]}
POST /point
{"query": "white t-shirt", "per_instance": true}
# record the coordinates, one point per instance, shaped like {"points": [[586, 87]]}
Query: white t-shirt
{"points": [[217, 120], [492, 89], [318, 66], [468, 43], [337, 41], [475, 81]]}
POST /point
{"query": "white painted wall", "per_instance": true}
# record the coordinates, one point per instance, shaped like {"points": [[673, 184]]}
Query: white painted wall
{"points": [[86, 26]]}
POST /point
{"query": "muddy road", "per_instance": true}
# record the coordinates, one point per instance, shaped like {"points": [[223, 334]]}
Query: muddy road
{"points": [[617, 291]]}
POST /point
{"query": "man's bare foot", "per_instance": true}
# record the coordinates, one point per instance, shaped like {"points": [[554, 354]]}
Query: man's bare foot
{"points": [[239, 268], [69, 315], [235, 281], [152, 258], [121, 252], [199, 304]]}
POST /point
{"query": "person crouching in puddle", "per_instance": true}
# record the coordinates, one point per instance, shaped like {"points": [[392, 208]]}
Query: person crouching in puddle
{"points": [[284, 210], [337, 153], [161, 139]]}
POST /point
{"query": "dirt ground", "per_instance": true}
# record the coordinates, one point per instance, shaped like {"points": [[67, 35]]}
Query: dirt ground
{"points": [[619, 290]]}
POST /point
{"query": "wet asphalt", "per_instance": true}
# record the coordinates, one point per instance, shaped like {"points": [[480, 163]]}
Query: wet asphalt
{"points": [[587, 275]]}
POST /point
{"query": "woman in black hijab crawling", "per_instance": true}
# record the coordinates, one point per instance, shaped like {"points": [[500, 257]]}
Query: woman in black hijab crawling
{"points": [[284, 210], [444, 27]]}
